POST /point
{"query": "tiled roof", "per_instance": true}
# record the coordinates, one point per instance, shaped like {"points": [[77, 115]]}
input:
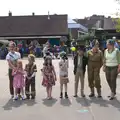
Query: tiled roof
{"points": [[33, 25]]}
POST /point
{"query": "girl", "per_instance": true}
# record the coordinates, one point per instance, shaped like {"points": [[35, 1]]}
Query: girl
{"points": [[18, 80], [49, 76], [63, 65]]}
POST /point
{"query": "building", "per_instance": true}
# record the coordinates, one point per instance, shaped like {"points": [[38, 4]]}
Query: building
{"points": [[75, 29], [33, 27]]}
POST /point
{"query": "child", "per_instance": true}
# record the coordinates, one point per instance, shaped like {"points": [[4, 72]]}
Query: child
{"points": [[30, 69], [63, 65], [49, 76], [18, 80], [80, 62]]}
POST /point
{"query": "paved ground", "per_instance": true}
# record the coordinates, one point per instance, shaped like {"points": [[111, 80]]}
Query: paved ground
{"points": [[56, 109]]}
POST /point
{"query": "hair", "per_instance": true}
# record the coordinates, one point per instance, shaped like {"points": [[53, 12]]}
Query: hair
{"points": [[32, 57], [45, 61], [12, 44], [20, 62]]}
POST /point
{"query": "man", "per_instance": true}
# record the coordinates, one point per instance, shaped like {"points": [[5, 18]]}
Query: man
{"points": [[80, 62], [95, 62], [12, 58]]}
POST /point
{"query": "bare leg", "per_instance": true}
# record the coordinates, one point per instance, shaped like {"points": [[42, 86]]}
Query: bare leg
{"points": [[50, 92], [15, 96], [22, 92], [47, 90], [61, 88], [65, 87], [66, 95]]}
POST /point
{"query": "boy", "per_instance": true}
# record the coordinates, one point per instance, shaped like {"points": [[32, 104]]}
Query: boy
{"points": [[80, 62]]}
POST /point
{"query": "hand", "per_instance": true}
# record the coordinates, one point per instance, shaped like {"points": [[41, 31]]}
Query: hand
{"points": [[55, 79], [119, 69]]}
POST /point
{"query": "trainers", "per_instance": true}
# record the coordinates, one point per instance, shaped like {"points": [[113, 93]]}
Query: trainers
{"points": [[15, 98], [23, 98]]}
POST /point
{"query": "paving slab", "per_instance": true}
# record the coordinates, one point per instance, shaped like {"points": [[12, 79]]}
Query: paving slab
{"points": [[57, 109]]}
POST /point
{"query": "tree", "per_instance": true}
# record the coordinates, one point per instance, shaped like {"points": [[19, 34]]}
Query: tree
{"points": [[117, 20]]}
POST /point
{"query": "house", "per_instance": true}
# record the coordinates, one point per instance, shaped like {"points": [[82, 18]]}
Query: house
{"points": [[75, 29], [39, 27]]}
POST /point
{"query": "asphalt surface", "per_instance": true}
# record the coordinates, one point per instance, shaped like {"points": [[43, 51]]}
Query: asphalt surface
{"points": [[57, 109]]}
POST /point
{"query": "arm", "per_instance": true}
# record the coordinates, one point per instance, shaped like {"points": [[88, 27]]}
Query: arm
{"points": [[14, 72], [54, 73], [118, 58], [35, 68], [101, 59], [104, 60]]}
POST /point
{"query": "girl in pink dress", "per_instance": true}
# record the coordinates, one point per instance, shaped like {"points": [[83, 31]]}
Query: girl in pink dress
{"points": [[18, 79], [49, 76]]}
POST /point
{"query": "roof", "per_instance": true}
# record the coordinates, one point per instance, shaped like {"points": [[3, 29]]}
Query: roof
{"points": [[73, 24], [33, 25], [109, 24], [90, 22]]}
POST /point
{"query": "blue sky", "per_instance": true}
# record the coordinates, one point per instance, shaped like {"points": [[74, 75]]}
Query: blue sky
{"points": [[74, 8]]}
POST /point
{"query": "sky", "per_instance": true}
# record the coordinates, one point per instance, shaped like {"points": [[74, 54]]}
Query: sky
{"points": [[74, 8]]}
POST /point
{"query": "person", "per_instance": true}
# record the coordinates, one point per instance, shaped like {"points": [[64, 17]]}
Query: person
{"points": [[80, 62], [30, 69], [63, 66], [111, 66], [18, 80], [49, 76], [95, 62], [12, 58]]}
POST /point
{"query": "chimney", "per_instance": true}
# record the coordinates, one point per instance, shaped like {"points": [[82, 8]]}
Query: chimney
{"points": [[33, 14], [10, 13]]}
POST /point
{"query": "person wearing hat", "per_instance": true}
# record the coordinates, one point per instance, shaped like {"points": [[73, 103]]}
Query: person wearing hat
{"points": [[12, 58], [111, 66], [95, 62], [63, 73], [80, 62], [31, 70]]}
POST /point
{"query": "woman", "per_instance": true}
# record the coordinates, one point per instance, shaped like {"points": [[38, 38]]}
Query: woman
{"points": [[111, 66], [12, 58], [95, 62]]}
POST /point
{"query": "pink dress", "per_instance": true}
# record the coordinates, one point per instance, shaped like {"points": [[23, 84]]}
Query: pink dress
{"points": [[18, 79]]}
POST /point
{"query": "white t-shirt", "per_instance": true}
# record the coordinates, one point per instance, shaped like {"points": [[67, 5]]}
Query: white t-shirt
{"points": [[13, 57]]}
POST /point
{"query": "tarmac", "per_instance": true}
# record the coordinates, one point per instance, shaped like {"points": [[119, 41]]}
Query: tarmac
{"points": [[57, 109]]}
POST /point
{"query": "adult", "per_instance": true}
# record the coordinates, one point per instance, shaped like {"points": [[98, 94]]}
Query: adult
{"points": [[111, 66], [12, 58], [80, 62], [95, 62]]}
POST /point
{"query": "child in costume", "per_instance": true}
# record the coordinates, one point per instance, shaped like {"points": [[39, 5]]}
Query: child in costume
{"points": [[18, 80], [31, 70], [63, 65], [49, 76]]}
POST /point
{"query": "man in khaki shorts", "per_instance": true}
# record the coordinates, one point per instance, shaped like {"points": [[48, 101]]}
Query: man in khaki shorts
{"points": [[80, 62]]}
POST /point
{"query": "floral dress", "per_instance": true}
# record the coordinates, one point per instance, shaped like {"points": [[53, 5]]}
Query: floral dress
{"points": [[48, 76]]}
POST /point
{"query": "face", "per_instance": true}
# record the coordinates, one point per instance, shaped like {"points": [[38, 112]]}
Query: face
{"points": [[109, 46], [12, 48], [30, 61], [95, 48], [80, 52], [48, 61], [19, 65]]}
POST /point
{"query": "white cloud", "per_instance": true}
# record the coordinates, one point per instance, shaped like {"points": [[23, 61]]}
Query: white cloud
{"points": [[74, 8]]}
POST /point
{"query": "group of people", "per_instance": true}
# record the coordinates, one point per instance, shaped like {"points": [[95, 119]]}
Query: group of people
{"points": [[25, 77]]}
